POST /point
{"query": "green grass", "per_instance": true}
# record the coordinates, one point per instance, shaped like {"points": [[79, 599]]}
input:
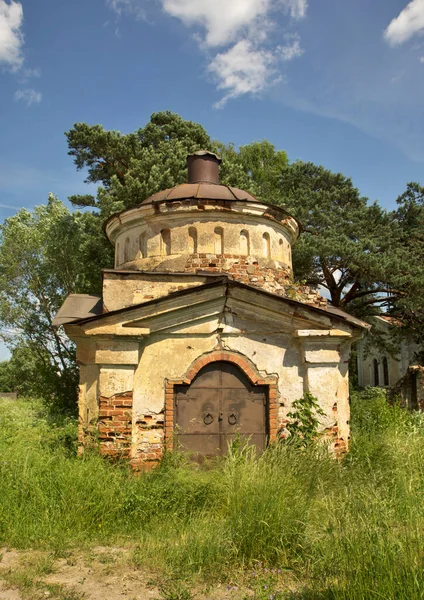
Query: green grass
{"points": [[291, 524]]}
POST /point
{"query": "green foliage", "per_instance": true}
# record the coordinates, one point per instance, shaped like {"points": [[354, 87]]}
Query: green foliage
{"points": [[33, 374], [49, 252], [409, 220], [131, 167], [294, 524], [374, 414], [175, 590], [303, 427], [256, 167], [7, 383], [358, 251], [348, 246], [45, 255]]}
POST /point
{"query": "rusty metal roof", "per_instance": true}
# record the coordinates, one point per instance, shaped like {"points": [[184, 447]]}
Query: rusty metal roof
{"points": [[200, 191], [203, 184], [76, 307]]}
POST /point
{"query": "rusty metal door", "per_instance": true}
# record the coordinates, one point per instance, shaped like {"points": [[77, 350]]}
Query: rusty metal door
{"points": [[220, 404]]}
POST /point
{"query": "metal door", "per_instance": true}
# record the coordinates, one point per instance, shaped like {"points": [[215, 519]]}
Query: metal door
{"points": [[220, 404]]}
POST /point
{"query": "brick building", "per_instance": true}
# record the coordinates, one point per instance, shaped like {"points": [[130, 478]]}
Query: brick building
{"points": [[200, 334]]}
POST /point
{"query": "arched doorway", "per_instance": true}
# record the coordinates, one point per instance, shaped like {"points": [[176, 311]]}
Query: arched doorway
{"points": [[218, 405]]}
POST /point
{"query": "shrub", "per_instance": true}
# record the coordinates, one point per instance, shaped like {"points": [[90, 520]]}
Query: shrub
{"points": [[303, 427]]}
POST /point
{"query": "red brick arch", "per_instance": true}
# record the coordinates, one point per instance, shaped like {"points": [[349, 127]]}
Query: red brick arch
{"points": [[217, 356]]}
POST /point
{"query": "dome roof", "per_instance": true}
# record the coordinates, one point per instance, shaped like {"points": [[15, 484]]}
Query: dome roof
{"points": [[200, 191]]}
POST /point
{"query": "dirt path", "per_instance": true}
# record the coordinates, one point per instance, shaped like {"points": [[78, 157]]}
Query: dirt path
{"points": [[102, 573]]}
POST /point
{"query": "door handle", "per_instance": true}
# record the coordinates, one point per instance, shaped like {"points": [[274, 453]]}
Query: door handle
{"points": [[207, 418]]}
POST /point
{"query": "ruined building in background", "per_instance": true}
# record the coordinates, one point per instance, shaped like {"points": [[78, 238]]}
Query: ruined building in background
{"points": [[379, 368], [401, 373], [200, 334]]}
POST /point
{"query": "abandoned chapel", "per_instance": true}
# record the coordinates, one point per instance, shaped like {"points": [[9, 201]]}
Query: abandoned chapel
{"points": [[200, 334]]}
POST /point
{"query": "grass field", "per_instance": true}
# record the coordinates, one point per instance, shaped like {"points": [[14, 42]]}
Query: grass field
{"points": [[292, 524]]}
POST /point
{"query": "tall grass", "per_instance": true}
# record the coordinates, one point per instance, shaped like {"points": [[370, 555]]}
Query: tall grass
{"points": [[349, 529]]}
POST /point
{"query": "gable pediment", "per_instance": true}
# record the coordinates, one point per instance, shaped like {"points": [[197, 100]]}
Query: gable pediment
{"points": [[225, 305]]}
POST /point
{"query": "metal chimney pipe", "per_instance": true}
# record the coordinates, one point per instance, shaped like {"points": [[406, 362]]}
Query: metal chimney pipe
{"points": [[203, 167]]}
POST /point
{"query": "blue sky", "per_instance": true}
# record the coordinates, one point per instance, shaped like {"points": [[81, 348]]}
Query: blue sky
{"points": [[336, 82]]}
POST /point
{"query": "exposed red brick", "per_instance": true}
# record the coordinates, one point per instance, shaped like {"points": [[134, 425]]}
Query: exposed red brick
{"points": [[115, 425], [122, 402]]}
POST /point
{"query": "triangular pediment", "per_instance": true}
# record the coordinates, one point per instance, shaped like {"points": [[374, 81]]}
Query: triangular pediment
{"points": [[225, 305]]}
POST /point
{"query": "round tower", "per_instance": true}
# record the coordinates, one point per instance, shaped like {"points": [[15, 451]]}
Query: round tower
{"points": [[202, 226]]}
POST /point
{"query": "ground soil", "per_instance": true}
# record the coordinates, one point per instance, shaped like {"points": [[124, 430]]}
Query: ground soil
{"points": [[96, 574]]}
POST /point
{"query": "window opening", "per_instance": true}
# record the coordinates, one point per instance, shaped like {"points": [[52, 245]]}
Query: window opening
{"points": [[386, 371], [192, 240], [127, 250], [244, 243], [143, 245], [281, 249], [376, 377], [219, 240], [165, 242], [266, 245]]}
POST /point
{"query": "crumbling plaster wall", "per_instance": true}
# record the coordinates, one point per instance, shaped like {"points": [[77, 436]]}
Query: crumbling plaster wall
{"points": [[123, 380], [325, 376], [142, 242], [122, 290]]}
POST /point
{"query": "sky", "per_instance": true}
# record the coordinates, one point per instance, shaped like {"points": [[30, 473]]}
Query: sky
{"points": [[336, 82]]}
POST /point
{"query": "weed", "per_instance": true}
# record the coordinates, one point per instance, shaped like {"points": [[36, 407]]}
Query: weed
{"points": [[303, 427], [105, 558], [266, 583], [175, 590], [31, 588], [345, 530]]}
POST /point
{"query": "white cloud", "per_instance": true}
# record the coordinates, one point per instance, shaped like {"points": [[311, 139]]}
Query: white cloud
{"points": [[297, 8], [408, 23], [11, 37], [244, 29], [421, 59], [28, 73], [242, 70], [9, 206], [133, 7], [225, 20], [28, 96], [292, 48], [24, 75], [249, 65], [249, 68]]}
